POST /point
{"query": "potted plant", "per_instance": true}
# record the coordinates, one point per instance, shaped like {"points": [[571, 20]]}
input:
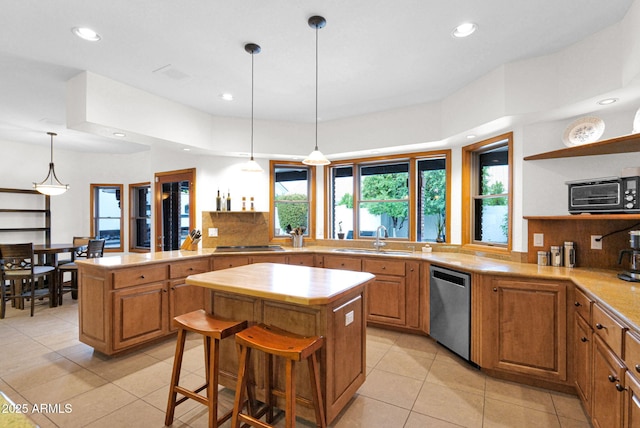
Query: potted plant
{"points": [[340, 232]]}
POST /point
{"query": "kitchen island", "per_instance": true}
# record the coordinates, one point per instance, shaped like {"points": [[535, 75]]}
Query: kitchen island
{"points": [[303, 300]]}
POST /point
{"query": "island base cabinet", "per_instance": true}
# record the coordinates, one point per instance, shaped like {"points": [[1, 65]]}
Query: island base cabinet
{"points": [[524, 328], [343, 357], [139, 314]]}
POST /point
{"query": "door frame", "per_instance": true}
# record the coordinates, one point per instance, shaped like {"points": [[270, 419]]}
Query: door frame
{"points": [[169, 177]]}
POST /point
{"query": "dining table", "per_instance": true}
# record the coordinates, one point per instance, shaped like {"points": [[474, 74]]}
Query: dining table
{"points": [[48, 255]]}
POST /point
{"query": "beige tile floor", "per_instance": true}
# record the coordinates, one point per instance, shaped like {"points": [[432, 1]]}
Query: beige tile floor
{"points": [[411, 382]]}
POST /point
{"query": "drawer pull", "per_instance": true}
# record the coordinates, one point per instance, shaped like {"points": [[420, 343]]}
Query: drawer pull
{"points": [[638, 368], [384, 267], [620, 387], [600, 326], [577, 304], [495, 289], [612, 378], [141, 276], [583, 339]]}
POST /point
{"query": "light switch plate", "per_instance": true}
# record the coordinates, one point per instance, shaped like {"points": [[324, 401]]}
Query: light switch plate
{"points": [[538, 239]]}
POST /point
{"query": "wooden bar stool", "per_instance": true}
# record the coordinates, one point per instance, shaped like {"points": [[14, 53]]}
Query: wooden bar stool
{"points": [[276, 342], [213, 330]]}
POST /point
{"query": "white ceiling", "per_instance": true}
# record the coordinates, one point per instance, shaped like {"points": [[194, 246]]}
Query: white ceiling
{"points": [[374, 55]]}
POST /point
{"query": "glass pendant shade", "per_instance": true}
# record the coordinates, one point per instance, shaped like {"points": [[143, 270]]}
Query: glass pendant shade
{"points": [[316, 157], [51, 185], [252, 165]]}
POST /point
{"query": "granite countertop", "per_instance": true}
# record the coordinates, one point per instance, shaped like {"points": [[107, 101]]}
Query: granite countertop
{"points": [[620, 297]]}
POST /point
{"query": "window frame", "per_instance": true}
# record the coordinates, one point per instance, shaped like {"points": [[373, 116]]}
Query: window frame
{"points": [[133, 205], [311, 179], [470, 173], [413, 159], [94, 187]]}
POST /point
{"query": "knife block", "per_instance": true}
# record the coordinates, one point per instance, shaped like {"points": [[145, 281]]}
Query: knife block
{"points": [[189, 244]]}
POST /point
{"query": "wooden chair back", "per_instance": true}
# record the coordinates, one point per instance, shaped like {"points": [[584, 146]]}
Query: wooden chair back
{"points": [[82, 242], [95, 248], [16, 259]]}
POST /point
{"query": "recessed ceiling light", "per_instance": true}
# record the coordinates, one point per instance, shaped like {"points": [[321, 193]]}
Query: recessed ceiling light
{"points": [[470, 136], [119, 134], [227, 96], [186, 149], [464, 30], [607, 101], [86, 34]]}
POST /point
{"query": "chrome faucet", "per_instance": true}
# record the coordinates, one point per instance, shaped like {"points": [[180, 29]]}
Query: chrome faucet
{"points": [[378, 244]]}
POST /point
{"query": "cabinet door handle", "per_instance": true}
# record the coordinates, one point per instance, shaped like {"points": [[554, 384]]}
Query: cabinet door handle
{"points": [[620, 387], [583, 339], [600, 326], [638, 368], [577, 304], [495, 289], [164, 290], [612, 378]]}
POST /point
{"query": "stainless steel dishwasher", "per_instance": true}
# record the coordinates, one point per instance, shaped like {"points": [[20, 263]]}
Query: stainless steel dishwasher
{"points": [[450, 309]]}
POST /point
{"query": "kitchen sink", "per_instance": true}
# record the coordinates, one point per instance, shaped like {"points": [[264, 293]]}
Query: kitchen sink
{"points": [[372, 251]]}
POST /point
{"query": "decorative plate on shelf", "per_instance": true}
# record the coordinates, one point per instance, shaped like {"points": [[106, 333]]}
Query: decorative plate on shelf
{"points": [[583, 131], [636, 123]]}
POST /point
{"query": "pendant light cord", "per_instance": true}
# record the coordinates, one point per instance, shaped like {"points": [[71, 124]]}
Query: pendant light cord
{"points": [[252, 105], [316, 148]]}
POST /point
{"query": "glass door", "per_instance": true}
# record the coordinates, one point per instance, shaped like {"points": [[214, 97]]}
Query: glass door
{"points": [[175, 208]]}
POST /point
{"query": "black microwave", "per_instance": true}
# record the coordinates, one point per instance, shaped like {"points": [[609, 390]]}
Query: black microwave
{"points": [[604, 195]]}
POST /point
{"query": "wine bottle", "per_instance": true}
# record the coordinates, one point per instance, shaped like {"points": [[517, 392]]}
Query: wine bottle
{"points": [[218, 202], [228, 201]]}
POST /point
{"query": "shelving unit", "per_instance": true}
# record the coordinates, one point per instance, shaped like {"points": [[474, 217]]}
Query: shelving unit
{"points": [[46, 229], [626, 144]]}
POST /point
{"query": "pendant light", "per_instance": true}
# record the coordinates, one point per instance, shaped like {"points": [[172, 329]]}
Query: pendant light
{"points": [[252, 165], [51, 185], [316, 157]]}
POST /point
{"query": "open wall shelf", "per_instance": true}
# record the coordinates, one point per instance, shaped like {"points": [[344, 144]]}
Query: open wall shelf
{"points": [[626, 144]]}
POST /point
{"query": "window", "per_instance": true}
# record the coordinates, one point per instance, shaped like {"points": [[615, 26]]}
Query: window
{"points": [[384, 199], [406, 193], [292, 190], [140, 226], [487, 178], [106, 215]]}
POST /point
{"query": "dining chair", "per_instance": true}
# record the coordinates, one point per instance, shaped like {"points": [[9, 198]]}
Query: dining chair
{"points": [[20, 276], [80, 243], [94, 249]]}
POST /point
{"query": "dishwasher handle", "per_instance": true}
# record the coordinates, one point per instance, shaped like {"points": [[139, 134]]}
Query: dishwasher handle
{"points": [[453, 277]]}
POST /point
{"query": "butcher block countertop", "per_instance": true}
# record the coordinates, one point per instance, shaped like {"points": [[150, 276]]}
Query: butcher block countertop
{"points": [[287, 283], [621, 297]]}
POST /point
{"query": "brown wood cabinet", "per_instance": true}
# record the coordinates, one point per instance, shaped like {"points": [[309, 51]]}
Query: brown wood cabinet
{"points": [[583, 348], [124, 307], [524, 327], [608, 386], [394, 293]]}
